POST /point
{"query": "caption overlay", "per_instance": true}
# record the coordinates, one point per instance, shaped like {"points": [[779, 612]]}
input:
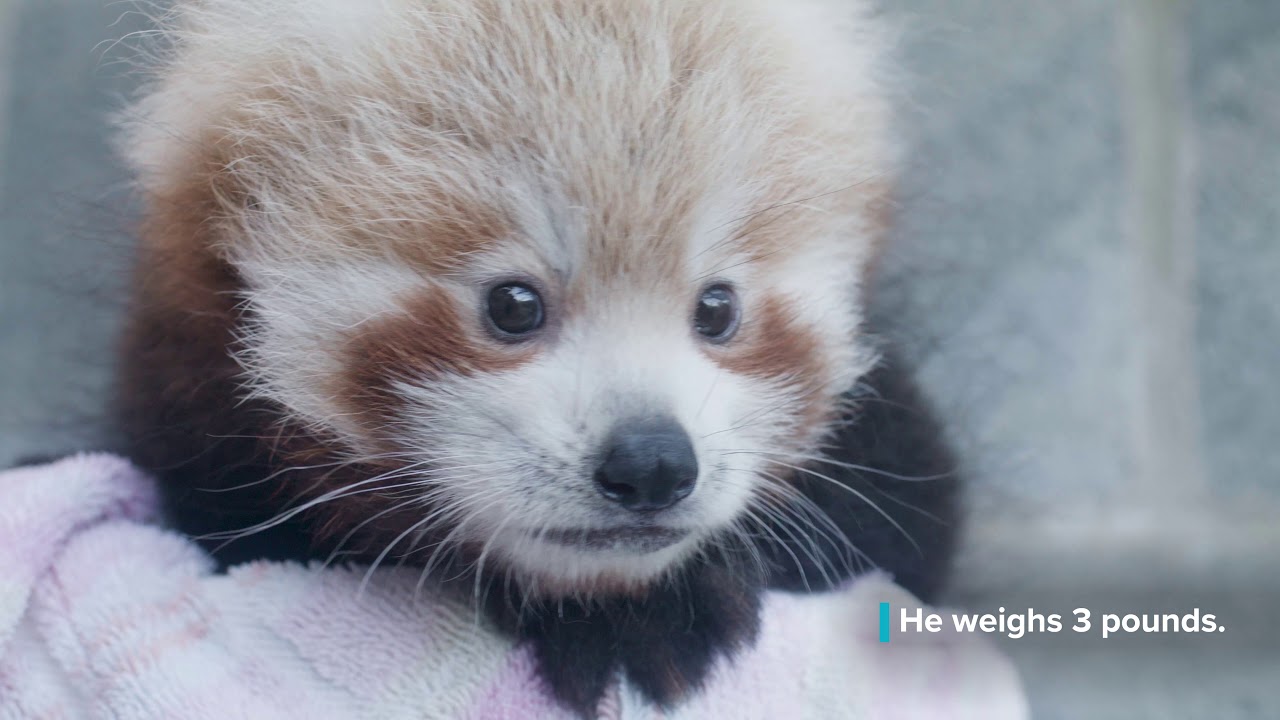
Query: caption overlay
{"points": [[1016, 625]]}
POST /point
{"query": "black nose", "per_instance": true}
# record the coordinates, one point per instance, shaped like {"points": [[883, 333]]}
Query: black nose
{"points": [[647, 465]]}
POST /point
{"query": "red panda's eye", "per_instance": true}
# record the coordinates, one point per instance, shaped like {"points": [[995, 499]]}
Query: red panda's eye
{"points": [[716, 317], [515, 309]]}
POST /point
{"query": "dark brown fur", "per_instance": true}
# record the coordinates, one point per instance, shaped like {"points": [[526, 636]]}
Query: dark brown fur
{"points": [[178, 400]]}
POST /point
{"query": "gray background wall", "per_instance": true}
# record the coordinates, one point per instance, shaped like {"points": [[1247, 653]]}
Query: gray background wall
{"points": [[1084, 268]]}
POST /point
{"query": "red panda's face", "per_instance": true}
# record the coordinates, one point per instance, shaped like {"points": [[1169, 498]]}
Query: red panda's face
{"points": [[585, 275]]}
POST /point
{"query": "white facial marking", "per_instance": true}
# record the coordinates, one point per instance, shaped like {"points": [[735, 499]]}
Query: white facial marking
{"points": [[354, 125]]}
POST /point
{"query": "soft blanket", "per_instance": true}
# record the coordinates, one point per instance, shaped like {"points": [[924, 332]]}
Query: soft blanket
{"points": [[104, 614]]}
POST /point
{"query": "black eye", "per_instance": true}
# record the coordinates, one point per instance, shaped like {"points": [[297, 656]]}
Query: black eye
{"points": [[515, 309], [716, 316]]}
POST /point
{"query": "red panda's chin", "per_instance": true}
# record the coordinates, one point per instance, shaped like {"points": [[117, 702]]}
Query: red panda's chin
{"points": [[633, 540], [551, 567]]}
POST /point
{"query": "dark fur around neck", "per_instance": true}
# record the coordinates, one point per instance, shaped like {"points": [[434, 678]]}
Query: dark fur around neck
{"points": [[665, 641]]}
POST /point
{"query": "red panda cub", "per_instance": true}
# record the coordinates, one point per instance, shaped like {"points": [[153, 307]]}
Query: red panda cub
{"points": [[561, 301]]}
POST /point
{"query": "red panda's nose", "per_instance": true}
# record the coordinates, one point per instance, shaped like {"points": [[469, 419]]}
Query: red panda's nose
{"points": [[647, 465]]}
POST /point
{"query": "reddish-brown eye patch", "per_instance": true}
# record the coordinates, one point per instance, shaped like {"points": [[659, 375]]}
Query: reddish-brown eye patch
{"points": [[775, 346], [433, 338]]}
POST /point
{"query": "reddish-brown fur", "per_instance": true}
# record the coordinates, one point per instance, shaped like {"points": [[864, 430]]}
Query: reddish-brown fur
{"points": [[333, 187], [431, 338], [775, 346], [180, 389]]}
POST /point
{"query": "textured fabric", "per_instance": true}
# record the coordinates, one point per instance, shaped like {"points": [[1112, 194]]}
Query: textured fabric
{"points": [[104, 614]]}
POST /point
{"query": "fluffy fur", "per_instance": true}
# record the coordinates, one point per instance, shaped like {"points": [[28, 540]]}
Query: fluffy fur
{"points": [[332, 187]]}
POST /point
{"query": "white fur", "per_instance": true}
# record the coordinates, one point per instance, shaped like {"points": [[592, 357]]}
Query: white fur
{"points": [[396, 110]]}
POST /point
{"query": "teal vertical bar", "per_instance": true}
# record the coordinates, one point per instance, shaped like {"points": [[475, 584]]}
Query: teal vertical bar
{"points": [[884, 622]]}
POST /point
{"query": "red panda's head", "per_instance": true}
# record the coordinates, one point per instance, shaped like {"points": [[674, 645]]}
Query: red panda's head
{"points": [[585, 274]]}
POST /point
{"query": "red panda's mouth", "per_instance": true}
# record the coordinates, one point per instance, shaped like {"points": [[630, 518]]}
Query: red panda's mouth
{"points": [[630, 538]]}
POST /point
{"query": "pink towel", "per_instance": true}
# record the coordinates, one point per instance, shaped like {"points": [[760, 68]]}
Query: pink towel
{"points": [[104, 614]]}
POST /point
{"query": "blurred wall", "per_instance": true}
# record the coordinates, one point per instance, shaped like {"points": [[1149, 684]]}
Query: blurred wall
{"points": [[1084, 268]]}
